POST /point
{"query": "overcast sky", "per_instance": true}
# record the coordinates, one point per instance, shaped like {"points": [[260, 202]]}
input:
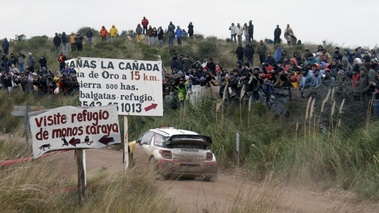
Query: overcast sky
{"points": [[347, 23]]}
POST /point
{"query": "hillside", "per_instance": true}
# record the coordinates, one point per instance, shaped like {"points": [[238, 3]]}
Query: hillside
{"points": [[323, 141]]}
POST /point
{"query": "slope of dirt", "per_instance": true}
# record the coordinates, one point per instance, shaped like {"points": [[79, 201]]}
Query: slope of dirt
{"points": [[229, 193]]}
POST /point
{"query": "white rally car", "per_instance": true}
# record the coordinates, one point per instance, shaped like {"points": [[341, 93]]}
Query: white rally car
{"points": [[179, 153]]}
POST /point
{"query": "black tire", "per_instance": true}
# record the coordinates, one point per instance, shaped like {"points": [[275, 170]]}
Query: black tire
{"points": [[210, 178], [153, 166]]}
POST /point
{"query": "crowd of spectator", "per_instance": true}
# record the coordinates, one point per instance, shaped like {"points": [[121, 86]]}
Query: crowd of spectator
{"points": [[155, 35], [18, 72], [292, 77], [354, 76]]}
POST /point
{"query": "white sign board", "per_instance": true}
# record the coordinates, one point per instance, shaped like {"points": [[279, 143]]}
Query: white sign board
{"points": [[74, 128], [135, 86]]}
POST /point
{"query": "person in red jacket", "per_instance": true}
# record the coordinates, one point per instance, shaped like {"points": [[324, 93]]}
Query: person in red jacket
{"points": [[144, 23], [103, 33]]}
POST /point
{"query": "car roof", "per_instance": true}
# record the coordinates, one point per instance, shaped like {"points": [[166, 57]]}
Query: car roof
{"points": [[168, 131]]}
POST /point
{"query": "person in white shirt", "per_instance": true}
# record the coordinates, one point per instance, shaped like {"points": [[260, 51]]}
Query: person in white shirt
{"points": [[233, 32]]}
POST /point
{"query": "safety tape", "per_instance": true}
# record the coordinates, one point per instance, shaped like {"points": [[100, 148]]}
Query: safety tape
{"points": [[21, 160], [11, 162]]}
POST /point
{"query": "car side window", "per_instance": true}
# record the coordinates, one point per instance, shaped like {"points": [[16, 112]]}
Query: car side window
{"points": [[146, 138]]}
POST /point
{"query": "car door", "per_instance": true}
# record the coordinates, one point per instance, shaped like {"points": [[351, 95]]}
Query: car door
{"points": [[146, 142]]}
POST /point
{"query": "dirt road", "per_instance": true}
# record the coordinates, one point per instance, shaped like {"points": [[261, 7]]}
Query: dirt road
{"points": [[230, 193]]}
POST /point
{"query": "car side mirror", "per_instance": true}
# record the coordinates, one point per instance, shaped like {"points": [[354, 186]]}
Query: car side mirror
{"points": [[139, 142]]}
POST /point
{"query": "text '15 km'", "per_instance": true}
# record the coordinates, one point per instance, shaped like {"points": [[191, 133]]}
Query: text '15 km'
{"points": [[136, 75]]}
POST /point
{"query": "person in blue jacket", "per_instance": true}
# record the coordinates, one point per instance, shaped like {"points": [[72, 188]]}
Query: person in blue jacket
{"points": [[178, 35], [5, 45]]}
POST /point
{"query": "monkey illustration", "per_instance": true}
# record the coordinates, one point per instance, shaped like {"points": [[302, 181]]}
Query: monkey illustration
{"points": [[65, 143], [43, 147]]}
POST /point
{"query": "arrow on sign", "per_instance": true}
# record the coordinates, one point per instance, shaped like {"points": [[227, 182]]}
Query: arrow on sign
{"points": [[74, 141], [106, 140], [152, 106]]}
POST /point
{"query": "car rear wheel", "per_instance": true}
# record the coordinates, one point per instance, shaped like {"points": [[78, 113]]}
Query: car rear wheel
{"points": [[153, 168], [210, 178]]}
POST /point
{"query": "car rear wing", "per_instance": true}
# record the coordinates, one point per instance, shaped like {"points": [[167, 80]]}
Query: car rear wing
{"points": [[199, 139]]}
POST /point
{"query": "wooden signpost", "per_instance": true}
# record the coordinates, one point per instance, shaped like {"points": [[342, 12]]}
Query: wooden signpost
{"points": [[74, 128]]}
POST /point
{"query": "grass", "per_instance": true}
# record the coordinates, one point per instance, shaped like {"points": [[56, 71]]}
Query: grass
{"points": [[33, 187], [271, 149], [288, 149]]}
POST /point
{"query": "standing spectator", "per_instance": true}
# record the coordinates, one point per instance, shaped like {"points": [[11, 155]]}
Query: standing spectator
{"points": [[89, 35], [12, 59], [187, 63], [139, 33], [239, 33], [211, 66], [4, 63], [155, 34], [249, 53], [57, 42], [43, 62], [250, 30], [62, 61], [72, 42], [64, 39], [5, 46], [149, 33], [190, 30], [160, 35], [21, 62], [144, 23], [181, 89], [79, 42], [239, 53], [277, 34], [174, 64], [245, 32], [30, 79], [103, 34], [171, 33], [6, 80], [31, 62], [262, 49], [178, 34], [233, 32], [288, 34], [114, 32]]}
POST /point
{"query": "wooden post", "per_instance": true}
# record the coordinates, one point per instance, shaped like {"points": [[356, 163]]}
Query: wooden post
{"points": [[80, 162], [126, 143], [238, 149], [27, 126]]}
